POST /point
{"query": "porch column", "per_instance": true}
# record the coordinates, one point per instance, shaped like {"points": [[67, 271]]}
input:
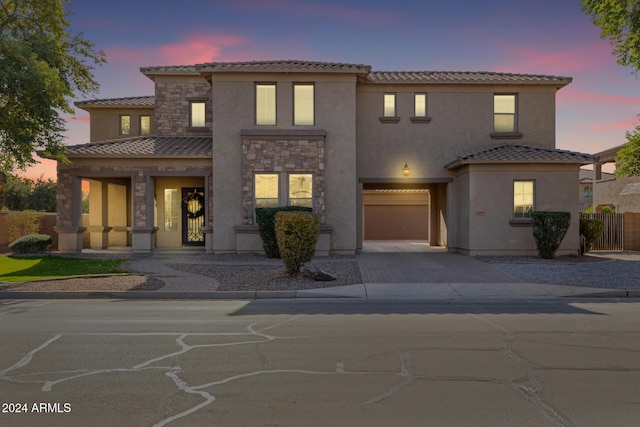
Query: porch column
{"points": [[69, 217], [143, 230], [207, 229], [99, 215]]}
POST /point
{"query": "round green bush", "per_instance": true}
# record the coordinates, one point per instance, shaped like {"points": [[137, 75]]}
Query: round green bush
{"points": [[31, 244]]}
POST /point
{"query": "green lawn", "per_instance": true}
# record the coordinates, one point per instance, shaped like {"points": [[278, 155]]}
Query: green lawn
{"points": [[18, 269]]}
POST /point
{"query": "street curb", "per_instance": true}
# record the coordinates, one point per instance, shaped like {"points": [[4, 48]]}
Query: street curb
{"points": [[159, 295]]}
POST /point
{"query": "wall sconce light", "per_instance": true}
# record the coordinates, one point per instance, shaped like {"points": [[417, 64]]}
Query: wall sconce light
{"points": [[405, 170]]}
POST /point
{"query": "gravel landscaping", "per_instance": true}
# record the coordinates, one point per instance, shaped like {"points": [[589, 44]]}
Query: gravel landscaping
{"points": [[598, 270]]}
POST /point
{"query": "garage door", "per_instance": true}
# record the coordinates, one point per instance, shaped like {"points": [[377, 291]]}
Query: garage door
{"points": [[395, 214], [396, 222]]}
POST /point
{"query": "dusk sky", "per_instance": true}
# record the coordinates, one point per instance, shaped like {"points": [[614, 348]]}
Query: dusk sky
{"points": [[551, 37]]}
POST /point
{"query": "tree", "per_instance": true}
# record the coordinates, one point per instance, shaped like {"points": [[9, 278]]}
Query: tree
{"points": [[619, 22], [24, 194], [42, 65], [628, 157]]}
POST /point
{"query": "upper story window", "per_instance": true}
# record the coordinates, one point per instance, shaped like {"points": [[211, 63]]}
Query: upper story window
{"points": [[125, 125], [266, 104], [389, 105], [420, 105], [303, 104], [145, 125], [197, 114], [523, 198], [504, 113]]}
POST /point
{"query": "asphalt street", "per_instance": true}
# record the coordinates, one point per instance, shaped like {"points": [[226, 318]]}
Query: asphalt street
{"points": [[556, 362]]}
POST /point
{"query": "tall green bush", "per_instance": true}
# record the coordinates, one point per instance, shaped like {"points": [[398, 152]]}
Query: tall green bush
{"points": [[549, 228], [23, 223], [266, 219], [297, 234], [591, 229]]}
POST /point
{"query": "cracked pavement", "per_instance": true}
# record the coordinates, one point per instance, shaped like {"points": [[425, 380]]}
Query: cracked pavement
{"points": [[292, 363]]}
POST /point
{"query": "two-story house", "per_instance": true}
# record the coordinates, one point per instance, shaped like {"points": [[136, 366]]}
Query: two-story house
{"points": [[458, 159]]}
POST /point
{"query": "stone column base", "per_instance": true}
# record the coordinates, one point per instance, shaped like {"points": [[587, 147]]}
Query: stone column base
{"points": [[143, 239], [208, 238], [69, 239]]}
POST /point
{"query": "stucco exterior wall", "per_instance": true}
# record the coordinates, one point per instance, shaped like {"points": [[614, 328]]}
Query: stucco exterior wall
{"points": [[233, 108], [105, 122], [490, 207], [461, 122]]}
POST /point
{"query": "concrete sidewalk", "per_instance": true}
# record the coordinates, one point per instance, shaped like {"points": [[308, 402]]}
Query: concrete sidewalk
{"points": [[416, 276]]}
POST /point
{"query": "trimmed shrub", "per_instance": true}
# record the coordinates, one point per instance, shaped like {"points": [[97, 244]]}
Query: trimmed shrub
{"points": [[549, 228], [297, 234], [607, 210], [591, 229], [23, 223], [266, 219], [31, 244]]}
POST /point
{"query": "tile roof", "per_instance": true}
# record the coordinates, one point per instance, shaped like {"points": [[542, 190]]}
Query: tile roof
{"points": [[465, 77], [145, 147], [286, 66], [513, 153], [169, 69], [133, 101]]}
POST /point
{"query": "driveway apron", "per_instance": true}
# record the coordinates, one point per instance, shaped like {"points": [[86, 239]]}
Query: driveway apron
{"points": [[427, 267]]}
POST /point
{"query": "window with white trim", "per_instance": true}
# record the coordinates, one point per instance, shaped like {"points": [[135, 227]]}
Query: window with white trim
{"points": [[523, 198], [265, 104]]}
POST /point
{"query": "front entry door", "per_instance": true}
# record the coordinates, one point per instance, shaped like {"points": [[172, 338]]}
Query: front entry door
{"points": [[193, 211]]}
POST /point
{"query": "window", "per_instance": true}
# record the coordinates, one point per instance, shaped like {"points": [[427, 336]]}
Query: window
{"points": [[296, 190], [420, 105], [303, 104], [504, 113], [265, 104], [197, 114], [145, 125], [171, 209], [389, 105], [301, 189], [125, 125], [523, 198], [266, 190]]}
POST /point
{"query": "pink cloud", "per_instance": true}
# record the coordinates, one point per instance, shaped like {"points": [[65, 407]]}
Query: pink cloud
{"points": [[195, 48], [80, 119], [317, 10], [569, 95], [568, 61], [626, 125]]}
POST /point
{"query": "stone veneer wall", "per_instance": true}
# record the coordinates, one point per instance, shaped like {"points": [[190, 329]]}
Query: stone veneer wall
{"points": [[283, 155], [64, 199], [172, 107]]}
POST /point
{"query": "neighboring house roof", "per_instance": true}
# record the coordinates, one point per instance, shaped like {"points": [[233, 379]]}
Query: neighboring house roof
{"points": [[132, 102], [465, 77], [514, 153], [631, 189], [586, 175], [609, 155], [145, 147], [183, 70]]}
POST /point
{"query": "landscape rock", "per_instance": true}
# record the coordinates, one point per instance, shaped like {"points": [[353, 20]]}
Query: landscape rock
{"points": [[316, 274]]}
